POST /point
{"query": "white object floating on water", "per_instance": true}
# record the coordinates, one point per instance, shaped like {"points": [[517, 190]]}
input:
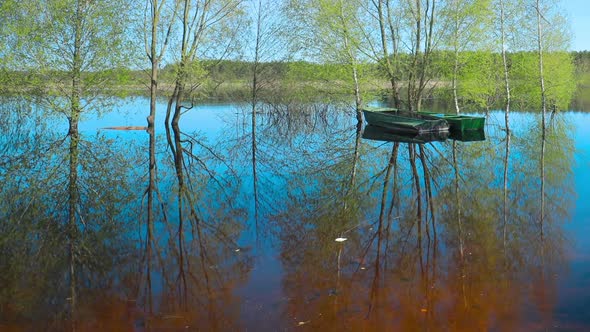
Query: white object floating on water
{"points": [[340, 239], [237, 250]]}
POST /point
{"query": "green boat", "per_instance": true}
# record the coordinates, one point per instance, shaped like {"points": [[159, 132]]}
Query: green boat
{"points": [[375, 133], [404, 122], [460, 122]]}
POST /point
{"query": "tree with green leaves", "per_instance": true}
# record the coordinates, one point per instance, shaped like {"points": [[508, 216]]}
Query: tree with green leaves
{"points": [[468, 20], [333, 33]]}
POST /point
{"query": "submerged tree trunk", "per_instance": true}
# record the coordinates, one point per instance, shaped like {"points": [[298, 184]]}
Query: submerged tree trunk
{"points": [[179, 168], [152, 147]]}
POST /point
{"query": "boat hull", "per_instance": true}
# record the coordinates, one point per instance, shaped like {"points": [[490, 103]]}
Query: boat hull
{"points": [[460, 122], [404, 122]]}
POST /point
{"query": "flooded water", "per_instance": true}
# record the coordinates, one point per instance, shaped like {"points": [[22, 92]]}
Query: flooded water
{"points": [[308, 222]]}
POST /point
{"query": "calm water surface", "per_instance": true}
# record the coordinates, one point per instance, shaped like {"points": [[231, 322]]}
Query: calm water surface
{"points": [[303, 224]]}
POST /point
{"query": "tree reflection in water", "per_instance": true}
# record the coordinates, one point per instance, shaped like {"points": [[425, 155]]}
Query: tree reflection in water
{"points": [[436, 236], [392, 272], [37, 238]]}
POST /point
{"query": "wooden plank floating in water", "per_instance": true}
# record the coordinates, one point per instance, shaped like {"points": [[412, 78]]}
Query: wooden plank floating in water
{"points": [[125, 128]]}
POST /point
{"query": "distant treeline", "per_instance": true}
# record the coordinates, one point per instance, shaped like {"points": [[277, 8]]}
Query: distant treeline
{"points": [[582, 66], [479, 80]]}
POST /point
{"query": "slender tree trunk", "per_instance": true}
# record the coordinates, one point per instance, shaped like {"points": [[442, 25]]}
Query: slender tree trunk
{"points": [[541, 75], [151, 120], [353, 63], [395, 42], [177, 99], [178, 165], [413, 73], [544, 109], [454, 83], [456, 56], [425, 63], [506, 122], [388, 66], [74, 135], [505, 64], [417, 79]]}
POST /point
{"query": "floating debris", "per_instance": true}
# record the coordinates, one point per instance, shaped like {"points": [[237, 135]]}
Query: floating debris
{"points": [[340, 239], [237, 250], [303, 323]]}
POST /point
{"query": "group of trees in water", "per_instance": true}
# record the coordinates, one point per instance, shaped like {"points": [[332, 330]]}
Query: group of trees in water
{"points": [[69, 57]]}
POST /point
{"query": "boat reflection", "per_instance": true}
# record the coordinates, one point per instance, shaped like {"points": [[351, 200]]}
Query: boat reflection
{"points": [[468, 135], [377, 133]]}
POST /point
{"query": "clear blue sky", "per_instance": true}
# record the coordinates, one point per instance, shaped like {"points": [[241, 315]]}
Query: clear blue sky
{"points": [[579, 15]]}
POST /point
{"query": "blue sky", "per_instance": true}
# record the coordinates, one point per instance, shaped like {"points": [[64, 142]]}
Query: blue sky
{"points": [[579, 14]]}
